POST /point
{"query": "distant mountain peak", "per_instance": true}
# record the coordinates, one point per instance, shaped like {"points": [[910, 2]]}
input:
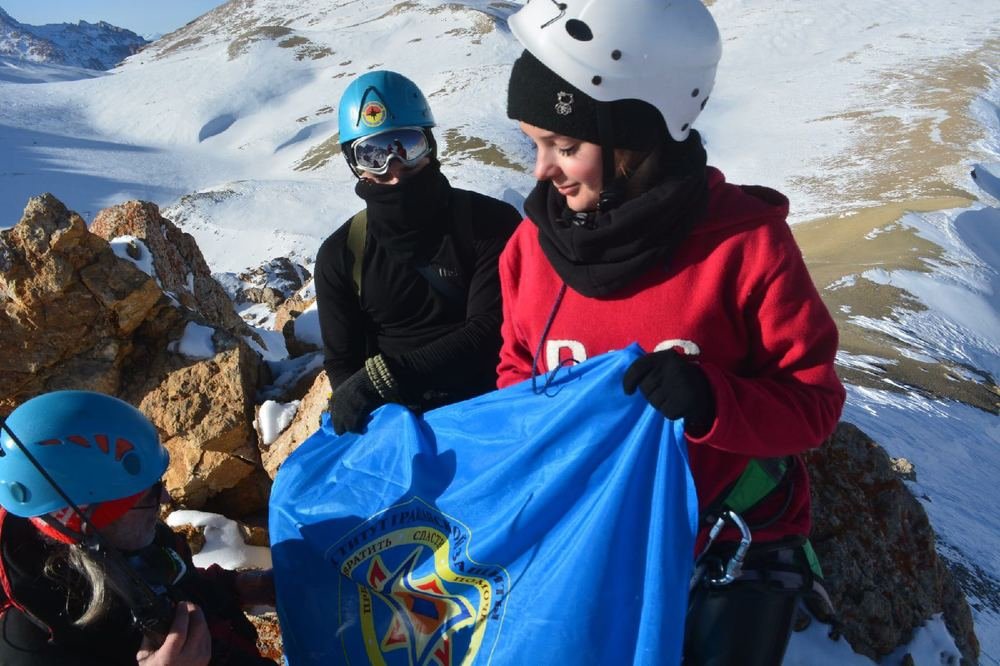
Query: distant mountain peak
{"points": [[91, 45]]}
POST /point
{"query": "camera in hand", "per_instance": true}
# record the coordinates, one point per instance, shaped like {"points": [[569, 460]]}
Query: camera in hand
{"points": [[161, 569]]}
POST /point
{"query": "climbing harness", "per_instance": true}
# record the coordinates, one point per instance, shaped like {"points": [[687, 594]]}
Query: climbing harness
{"points": [[790, 565]]}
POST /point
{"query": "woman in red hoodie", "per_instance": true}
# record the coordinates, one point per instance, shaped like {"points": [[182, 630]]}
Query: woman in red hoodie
{"points": [[631, 237]]}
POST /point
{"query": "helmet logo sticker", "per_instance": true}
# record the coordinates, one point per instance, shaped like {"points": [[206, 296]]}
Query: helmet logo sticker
{"points": [[373, 114], [564, 103]]}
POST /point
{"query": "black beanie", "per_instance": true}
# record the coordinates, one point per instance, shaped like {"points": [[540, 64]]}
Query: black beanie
{"points": [[542, 98]]}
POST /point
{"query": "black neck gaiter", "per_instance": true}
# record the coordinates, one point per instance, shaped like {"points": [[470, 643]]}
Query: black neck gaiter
{"points": [[597, 254], [408, 218]]}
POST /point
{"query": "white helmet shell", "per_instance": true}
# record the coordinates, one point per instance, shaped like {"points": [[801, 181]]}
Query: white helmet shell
{"points": [[664, 52]]}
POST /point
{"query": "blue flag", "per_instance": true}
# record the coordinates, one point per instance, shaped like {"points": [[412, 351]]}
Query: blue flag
{"points": [[514, 528]]}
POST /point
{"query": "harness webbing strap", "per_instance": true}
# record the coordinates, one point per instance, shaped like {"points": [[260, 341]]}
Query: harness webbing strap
{"points": [[357, 233], [758, 481], [760, 478], [793, 568], [812, 559], [796, 567]]}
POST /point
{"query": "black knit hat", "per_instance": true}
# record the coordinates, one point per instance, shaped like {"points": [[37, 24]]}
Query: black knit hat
{"points": [[540, 97]]}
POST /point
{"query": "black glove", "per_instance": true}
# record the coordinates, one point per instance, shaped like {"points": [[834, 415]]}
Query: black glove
{"points": [[352, 401], [676, 387]]}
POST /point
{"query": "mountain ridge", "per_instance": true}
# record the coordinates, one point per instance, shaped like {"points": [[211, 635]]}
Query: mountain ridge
{"points": [[98, 46]]}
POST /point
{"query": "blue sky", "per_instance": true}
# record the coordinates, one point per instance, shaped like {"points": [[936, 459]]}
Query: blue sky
{"points": [[144, 18]]}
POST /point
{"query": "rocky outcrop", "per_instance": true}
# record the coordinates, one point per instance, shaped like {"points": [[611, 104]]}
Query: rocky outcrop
{"points": [[306, 421], [272, 296], [285, 321], [287, 312], [180, 267], [76, 315], [878, 550], [204, 411], [270, 284], [71, 308]]}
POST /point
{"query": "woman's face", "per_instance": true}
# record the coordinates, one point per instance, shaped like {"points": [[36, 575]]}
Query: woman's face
{"points": [[136, 529], [573, 166]]}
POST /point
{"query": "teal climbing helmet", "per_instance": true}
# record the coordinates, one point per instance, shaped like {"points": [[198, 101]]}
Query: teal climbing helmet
{"points": [[379, 101], [95, 447]]}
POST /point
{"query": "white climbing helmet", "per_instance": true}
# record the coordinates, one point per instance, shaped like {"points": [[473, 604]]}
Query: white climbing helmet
{"points": [[663, 52]]}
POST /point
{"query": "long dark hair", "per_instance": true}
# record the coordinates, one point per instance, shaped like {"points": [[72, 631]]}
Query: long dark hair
{"points": [[94, 587]]}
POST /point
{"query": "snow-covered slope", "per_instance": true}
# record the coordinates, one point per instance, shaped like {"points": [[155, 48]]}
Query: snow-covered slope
{"points": [[867, 113], [87, 45]]}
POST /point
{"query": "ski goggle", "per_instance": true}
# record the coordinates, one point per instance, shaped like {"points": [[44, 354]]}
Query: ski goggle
{"points": [[374, 152]]}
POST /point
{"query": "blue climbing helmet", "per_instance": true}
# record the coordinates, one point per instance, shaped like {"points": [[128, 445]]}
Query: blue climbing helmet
{"points": [[383, 118], [379, 102], [97, 448]]}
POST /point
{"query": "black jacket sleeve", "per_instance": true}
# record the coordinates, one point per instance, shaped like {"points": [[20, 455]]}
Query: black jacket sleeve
{"points": [[468, 355], [341, 321]]}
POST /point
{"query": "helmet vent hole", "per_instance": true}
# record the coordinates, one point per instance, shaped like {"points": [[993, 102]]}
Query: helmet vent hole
{"points": [[694, 93], [703, 103], [579, 30], [131, 463], [684, 128], [616, 55], [20, 493], [596, 80]]}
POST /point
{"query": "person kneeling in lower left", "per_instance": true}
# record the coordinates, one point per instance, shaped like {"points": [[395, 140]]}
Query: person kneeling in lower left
{"points": [[104, 581]]}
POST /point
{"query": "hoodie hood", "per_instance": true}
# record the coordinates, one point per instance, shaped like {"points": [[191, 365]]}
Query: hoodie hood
{"points": [[739, 206]]}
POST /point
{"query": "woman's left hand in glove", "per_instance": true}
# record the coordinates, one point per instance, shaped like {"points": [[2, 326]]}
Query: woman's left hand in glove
{"points": [[676, 387]]}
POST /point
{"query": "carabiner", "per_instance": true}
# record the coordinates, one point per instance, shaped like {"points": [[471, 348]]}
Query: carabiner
{"points": [[735, 565]]}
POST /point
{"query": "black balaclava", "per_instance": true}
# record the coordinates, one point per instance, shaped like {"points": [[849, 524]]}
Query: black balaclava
{"points": [[408, 218]]}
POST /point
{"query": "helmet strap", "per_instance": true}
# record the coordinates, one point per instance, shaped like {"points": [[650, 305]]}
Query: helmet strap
{"points": [[432, 143], [612, 193], [58, 530]]}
